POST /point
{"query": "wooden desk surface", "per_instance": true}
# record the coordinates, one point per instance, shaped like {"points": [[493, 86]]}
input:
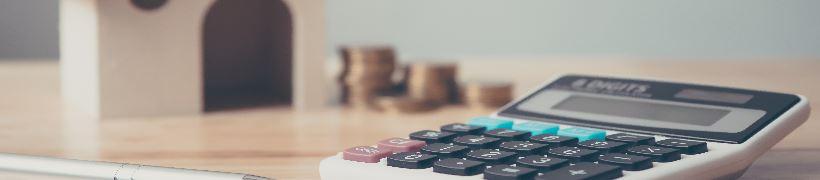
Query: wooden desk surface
{"points": [[278, 142]]}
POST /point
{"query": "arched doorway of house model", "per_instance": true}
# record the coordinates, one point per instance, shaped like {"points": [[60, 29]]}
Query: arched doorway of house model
{"points": [[247, 54]]}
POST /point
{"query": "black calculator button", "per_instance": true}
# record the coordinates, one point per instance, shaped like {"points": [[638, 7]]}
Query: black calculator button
{"points": [[459, 167], [477, 142], [632, 140], [430, 137], [460, 128], [603, 146], [574, 154], [492, 156], [445, 150], [411, 160], [507, 172], [554, 141], [659, 154], [508, 134], [686, 147], [585, 171], [542, 163], [523, 148], [626, 161]]}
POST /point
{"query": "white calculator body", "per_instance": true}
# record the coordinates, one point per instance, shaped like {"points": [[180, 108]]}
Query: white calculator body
{"points": [[615, 128]]}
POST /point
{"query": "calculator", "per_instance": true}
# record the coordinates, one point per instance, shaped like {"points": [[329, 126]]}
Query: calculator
{"points": [[590, 127]]}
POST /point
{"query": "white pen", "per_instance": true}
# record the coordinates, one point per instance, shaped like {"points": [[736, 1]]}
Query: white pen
{"points": [[108, 170]]}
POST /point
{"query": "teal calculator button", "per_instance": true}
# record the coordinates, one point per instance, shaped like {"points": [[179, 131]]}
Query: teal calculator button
{"points": [[491, 123], [536, 128], [583, 134]]}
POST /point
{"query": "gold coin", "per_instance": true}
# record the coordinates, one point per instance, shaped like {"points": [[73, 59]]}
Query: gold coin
{"points": [[486, 94], [432, 81], [366, 73]]}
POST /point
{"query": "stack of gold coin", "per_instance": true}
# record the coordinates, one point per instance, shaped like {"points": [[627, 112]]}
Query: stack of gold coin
{"points": [[432, 82], [402, 104], [486, 95], [367, 72]]}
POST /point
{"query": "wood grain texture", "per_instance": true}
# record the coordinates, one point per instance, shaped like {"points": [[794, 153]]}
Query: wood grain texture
{"points": [[285, 144]]}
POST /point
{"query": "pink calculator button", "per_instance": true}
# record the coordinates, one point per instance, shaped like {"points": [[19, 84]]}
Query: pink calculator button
{"points": [[401, 145], [365, 154]]}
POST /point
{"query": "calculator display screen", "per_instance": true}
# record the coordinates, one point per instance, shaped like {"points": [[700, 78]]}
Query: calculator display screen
{"points": [[642, 110]]}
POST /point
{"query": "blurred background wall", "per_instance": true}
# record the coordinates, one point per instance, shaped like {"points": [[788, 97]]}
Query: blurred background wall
{"points": [[28, 29], [646, 29]]}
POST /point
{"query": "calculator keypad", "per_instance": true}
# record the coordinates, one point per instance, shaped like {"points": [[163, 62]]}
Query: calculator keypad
{"points": [[459, 167], [462, 129], [508, 134], [500, 149], [536, 128], [445, 150], [430, 137], [626, 161], [686, 147], [555, 141], [632, 140], [477, 142], [603, 146], [492, 156], [542, 163], [491, 123], [507, 172], [411, 160], [523, 148], [365, 154], [574, 154], [583, 134], [400, 145], [583, 170], [659, 154]]}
